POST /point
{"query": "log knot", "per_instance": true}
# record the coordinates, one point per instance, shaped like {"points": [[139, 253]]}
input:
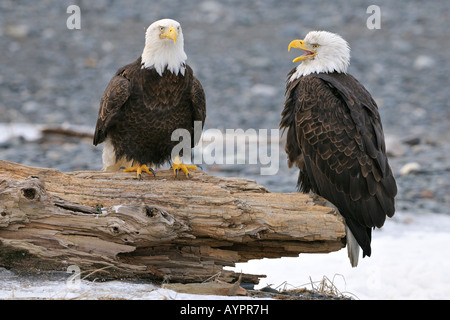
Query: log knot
{"points": [[30, 193], [153, 211], [145, 222], [33, 189], [20, 199]]}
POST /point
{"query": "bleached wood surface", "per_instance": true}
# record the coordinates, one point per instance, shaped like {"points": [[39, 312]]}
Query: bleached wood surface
{"points": [[159, 228]]}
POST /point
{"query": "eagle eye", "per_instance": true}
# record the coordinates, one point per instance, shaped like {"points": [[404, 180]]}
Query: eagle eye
{"points": [[315, 45]]}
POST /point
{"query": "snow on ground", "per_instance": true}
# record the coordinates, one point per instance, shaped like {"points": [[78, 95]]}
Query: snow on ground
{"points": [[20, 288], [27, 131], [410, 260]]}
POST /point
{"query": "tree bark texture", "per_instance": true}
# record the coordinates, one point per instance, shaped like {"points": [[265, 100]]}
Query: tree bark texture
{"points": [[160, 228]]}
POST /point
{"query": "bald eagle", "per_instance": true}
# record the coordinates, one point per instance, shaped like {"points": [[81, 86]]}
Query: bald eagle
{"points": [[335, 137], [146, 100]]}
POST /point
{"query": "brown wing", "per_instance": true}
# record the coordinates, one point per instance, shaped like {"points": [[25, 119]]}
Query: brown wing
{"points": [[338, 143], [198, 105], [116, 94], [292, 147]]}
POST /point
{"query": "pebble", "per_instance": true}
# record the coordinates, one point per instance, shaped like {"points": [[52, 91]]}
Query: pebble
{"points": [[427, 194], [263, 90], [17, 31], [395, 147], [409, 167], [423, 62]]}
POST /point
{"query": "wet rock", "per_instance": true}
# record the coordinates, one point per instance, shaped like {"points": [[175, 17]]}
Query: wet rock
{"points": [[412, 141]]}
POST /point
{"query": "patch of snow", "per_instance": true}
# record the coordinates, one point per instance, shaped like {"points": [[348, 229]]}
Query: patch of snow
{"points": [[410, 260], [28, 131]]}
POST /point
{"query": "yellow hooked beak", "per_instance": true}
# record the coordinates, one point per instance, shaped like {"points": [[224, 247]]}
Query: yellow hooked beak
{"points": [[300, 44], [171, 34]]}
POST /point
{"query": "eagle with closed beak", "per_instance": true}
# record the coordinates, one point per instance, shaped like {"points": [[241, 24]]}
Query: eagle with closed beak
{"points": [[146, 100]]}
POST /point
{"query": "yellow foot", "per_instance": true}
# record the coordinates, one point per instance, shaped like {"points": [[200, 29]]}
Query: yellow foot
{"points": [[180, 166], [139, 169]]}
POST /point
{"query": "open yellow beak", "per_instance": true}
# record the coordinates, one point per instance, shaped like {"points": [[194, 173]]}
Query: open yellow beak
{"points": [[171, 34], [300, 44]]}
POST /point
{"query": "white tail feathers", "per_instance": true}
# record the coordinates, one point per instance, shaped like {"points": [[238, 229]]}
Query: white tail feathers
{"points": [[109, 158], [352, 244], [352, 248]]}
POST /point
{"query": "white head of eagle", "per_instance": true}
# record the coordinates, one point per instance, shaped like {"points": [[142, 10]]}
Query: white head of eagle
{"points": [[325, 52], [164, 47]]}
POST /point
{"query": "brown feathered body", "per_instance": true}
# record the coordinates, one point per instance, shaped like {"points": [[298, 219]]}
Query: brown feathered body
{"points": [[140, 109], [335, 137]]}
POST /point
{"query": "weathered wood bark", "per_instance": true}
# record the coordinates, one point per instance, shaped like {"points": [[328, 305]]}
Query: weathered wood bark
{"points": [[158, 228]]}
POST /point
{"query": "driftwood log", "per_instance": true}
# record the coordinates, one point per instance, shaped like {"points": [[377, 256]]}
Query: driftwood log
{"points": [[160, 227]]}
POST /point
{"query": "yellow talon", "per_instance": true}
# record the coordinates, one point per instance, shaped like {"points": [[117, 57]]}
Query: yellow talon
{"points": [[178, 165], [139, 169]]}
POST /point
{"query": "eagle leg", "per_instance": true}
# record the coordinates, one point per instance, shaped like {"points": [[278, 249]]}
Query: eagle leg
{"points": [[139, 169], [177, 166]]}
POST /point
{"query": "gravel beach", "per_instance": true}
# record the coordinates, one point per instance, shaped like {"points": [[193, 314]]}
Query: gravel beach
{"points": [[53, 76]]}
